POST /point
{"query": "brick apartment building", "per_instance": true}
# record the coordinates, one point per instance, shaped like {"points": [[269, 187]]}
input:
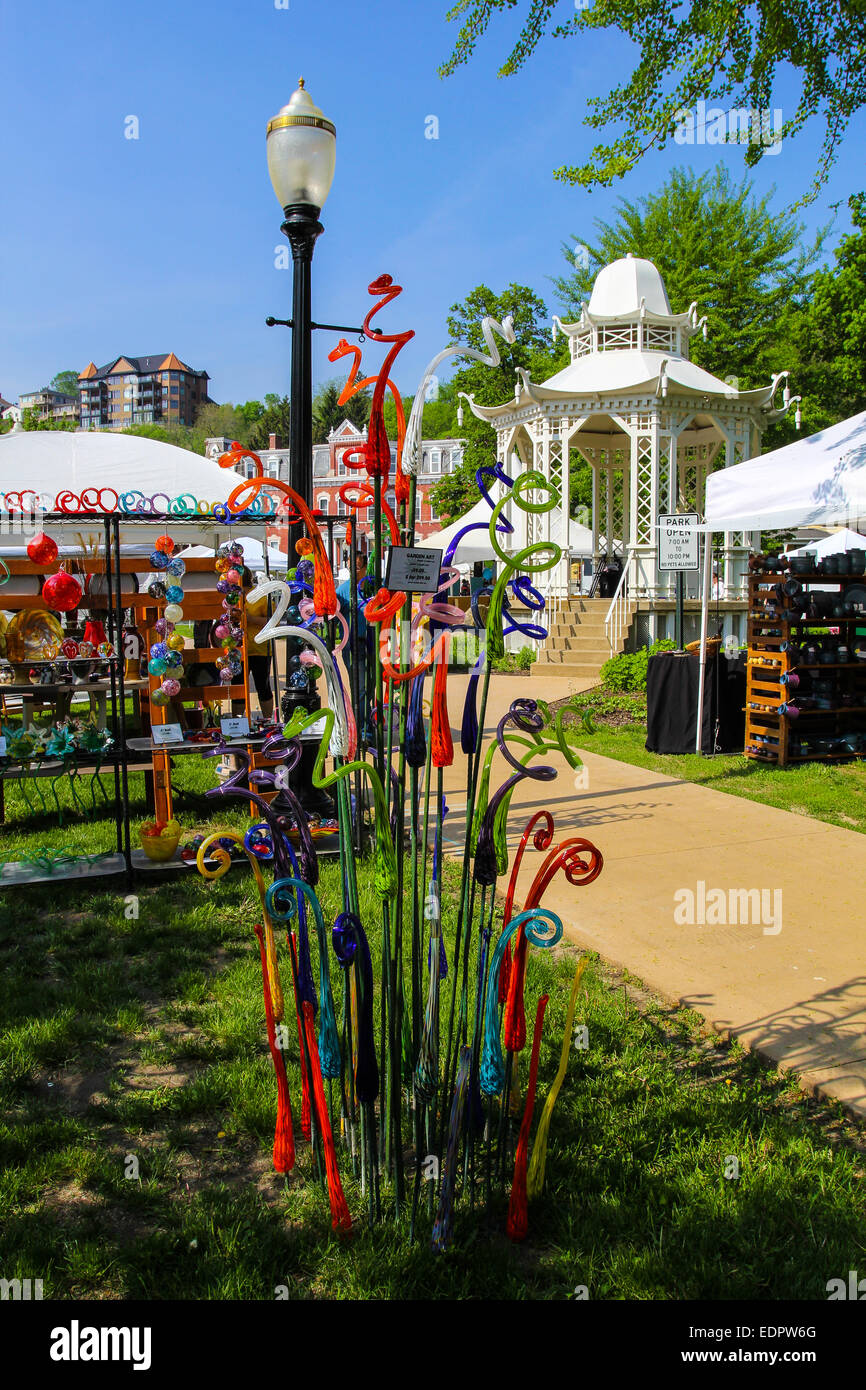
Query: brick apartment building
{"points": [[154, 390], [438, 456]]}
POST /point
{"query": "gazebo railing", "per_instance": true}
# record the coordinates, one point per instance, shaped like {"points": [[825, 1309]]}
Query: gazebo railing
{"points": [[617, 620]]}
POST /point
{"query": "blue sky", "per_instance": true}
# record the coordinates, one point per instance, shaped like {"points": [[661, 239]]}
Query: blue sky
{"points": [[167, 242]]}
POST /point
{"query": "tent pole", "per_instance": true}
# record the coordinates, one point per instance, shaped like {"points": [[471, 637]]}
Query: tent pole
{"points": [[705, 607]]}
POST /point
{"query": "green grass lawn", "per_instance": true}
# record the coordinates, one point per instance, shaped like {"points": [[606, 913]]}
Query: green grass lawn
{"points": [[832, 792], [138, 1103]]}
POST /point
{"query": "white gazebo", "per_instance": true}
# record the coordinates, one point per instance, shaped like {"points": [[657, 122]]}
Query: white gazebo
{"points": [[652, 424]]}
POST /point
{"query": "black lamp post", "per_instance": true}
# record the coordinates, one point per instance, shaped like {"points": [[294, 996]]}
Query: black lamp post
{"points": [[302, 148], [301, 155]]}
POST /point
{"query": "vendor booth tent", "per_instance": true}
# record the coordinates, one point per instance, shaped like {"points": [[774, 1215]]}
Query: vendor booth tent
{"points": [[818, 481], [843, 539], [476, 545]]}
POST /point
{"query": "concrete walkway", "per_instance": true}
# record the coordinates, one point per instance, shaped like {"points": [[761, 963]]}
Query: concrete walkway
{"points": [[797, 994]]}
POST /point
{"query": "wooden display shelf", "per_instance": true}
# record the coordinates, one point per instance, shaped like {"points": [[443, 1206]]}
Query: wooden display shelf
{"points": [[768, 634]]}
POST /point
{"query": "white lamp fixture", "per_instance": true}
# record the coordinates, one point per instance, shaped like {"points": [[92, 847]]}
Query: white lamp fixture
{"points": [[302, 150]]}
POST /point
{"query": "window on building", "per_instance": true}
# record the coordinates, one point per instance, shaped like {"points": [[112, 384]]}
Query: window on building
{"points": [[434, 515], [435, 460], [322, 504], [341, 506]]}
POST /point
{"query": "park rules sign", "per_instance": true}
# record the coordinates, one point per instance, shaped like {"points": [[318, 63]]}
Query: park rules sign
{"points": [[678, 541]]}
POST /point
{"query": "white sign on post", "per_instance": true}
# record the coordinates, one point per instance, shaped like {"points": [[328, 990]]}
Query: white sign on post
{"points": [[233, 726], [678, 541], [413, 569]]}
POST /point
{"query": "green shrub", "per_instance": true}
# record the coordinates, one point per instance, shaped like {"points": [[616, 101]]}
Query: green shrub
{"points": [[629, 671]]}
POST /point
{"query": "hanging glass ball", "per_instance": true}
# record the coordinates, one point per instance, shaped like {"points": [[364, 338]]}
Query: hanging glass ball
{"points": [[158, 560], [156, 589], [233, 576], [156, 666], [222, 586], [221, 631], [164, 544], [62, 592], [226, 675], [159, 650], [293, 615], [177, 568], [171, 687], [174, 612], [174, 593], [223, 552], [228, 643], [159, 697], [162, 627], [176, 642], [233, 597], [174, 658], [42, 550], [293, 663], [298, 681]]}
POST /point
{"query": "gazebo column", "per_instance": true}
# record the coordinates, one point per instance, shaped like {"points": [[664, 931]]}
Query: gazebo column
{"points": [[643, 493]]}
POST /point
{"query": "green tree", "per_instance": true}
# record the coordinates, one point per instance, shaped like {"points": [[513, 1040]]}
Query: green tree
{"points": [[328, 414], [716, 242], [227, 421], [273, 419], [710, 50], [829, 332], [31, 420], [65, 382], [531, 350]]}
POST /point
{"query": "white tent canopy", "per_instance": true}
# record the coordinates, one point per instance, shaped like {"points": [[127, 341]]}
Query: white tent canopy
{"points": [[476, 546], [819, 481], [48, 462], [254, 555], [843, 539]]}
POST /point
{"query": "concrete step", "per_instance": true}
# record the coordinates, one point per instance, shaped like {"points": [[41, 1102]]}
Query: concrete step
{"points": [[587, 651], [582, 669]]}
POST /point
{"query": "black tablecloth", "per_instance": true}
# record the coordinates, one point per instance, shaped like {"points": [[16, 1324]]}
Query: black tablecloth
{"points": [[672, 703]]}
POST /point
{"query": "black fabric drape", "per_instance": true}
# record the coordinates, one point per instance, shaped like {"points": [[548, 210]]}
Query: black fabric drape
{"points": [[672, 703]]}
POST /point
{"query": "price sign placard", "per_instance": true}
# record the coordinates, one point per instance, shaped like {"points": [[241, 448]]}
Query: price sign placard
{"points": [[413, 569], [233, 726], [678, 541], [314, 732], [167, 733]]}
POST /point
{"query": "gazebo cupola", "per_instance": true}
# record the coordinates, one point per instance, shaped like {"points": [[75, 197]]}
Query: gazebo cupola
{"points": [[651, 423]]}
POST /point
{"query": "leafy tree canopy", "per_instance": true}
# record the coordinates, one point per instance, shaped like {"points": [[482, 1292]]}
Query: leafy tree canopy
{"points": [[710, 50], [328, 414], [715, 242], [829, 332], [65, 382]]}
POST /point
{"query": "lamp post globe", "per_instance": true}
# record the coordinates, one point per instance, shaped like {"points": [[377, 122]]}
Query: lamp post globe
{"points": [[302, 147]]}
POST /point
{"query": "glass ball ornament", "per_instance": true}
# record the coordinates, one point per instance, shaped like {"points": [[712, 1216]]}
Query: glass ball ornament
{"points": [[308, 657], [174, 658], [228, 643], [174, 613], [174, 593], [177, 568], [85, 649], [105, 649], [162, 627], [233, 576], [171, 687], [158, 560], [176, 642], [7, 675], [313, 672], [156, 666], [293, 663], [159, 650], [221, 631], [62, 592], [233, 597], [164, 544], [156, 589], [159, 697], [222, 565], [298, 681], [226, 675], [42, 550], [69, 647], [292, 615]]}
